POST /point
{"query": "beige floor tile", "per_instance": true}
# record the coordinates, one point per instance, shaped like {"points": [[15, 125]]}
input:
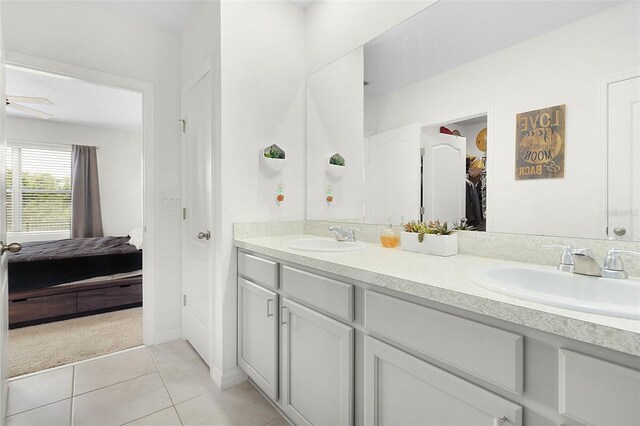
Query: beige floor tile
{"points": [[187, 380], [172, 353], [122, 402], [280, 421], [56, 414], [240, 405], [166, 417], [40, 389], [112, 369]]}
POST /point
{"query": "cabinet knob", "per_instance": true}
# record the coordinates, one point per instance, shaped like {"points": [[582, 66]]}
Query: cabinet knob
{"points": [[269, 313], [499, 421]]}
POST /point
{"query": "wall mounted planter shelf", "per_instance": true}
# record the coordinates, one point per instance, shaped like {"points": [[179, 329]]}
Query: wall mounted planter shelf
{"points": [[335, 166], [273, 158]]}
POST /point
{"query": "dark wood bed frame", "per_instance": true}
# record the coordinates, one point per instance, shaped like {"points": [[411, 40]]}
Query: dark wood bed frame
{"points": [[30, 307]]}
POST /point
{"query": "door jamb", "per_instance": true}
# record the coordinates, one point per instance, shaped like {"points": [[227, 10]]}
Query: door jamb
{"points": [[148, 181]]}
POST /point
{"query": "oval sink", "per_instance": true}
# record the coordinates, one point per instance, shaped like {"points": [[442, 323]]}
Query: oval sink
{"points": [[324, 244], [606, 296]]}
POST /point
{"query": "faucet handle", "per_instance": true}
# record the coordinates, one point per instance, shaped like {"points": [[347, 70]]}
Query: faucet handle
{"points": [[614, 262], [566, 259]]}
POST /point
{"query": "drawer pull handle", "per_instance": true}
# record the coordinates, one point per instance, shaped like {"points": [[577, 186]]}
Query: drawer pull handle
{"points": [[126, 285], [269, 313], [283, 322], [19, 300], [500, 421]]}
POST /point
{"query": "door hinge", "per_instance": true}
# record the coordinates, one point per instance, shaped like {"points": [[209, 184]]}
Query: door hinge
{"points": [[184, 213], [421, 210], [184, 300], [422, 151], [184, 124]]}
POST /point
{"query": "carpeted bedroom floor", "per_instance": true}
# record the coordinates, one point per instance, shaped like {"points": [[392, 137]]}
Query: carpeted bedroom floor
{"points": [[45, 346]]}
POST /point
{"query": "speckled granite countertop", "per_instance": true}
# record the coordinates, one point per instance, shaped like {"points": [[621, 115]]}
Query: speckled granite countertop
{"points": [[447, 280]]}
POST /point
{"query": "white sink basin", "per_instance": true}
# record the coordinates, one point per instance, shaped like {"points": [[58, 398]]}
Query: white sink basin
{"points": [[324, 244], [606, 296]]}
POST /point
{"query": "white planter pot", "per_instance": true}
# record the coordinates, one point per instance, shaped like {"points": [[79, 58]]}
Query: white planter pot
{"points": [[440, 245], [333, 170], [409, 241], [273, 164]]}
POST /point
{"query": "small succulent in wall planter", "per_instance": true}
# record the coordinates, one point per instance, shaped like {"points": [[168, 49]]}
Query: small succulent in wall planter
{"points": [[273, 158], [336, 160], [438, 228], [335, 166]]}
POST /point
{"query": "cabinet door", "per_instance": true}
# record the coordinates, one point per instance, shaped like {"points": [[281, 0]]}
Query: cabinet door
{"points": [[258, 335], [317, 359], [403, 390]]}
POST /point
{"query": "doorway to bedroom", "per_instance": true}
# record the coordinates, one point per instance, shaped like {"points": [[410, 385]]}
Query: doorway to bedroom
{"points": [[74, 191]]}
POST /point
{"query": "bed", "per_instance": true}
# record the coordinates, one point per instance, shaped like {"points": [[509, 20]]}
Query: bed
{"points": [[54, 280]]}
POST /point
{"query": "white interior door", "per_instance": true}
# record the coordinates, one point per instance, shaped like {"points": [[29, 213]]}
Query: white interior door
{"points": [[444, 176], [392, 175], [624, 159], [197, 247]]}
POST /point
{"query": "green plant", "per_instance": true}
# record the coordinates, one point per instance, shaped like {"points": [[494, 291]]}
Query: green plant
{"points": [[463, 226], [419, 228], [440, 228], [336, 160], [274, 153]]}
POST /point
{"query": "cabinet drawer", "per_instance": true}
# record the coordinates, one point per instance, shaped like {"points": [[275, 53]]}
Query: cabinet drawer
{"points": [[324, 293], [597, 392], [403, 390], [41, 307], [109, 297], [488, 353], [259, 270]]}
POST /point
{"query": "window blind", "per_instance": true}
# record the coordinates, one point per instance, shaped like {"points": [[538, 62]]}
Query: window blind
{"points": [[38, 188]]}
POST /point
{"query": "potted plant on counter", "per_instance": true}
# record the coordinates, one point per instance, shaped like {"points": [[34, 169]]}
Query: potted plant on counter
{"points": [[440, 240], [413, 235]]}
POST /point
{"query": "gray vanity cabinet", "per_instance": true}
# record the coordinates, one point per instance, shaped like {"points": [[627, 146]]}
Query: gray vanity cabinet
{"points": [[258, 335], [317, 367], [403, 390]]}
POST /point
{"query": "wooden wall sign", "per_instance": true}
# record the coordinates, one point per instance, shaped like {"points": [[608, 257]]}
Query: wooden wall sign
{"points": [[540, 141]]}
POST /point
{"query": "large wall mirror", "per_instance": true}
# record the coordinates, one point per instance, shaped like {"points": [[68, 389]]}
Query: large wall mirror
{"points": [[519, 117]]}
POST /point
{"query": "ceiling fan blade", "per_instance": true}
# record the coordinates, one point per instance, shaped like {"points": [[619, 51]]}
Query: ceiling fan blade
{"points": [[30, 111], [29, 100]]}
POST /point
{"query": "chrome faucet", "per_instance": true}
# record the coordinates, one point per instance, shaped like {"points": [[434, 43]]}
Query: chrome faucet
{"points": [[342, 235], [584, 262]]}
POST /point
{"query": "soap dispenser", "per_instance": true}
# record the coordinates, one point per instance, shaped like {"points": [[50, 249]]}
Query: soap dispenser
{"points": [[388, 237]]}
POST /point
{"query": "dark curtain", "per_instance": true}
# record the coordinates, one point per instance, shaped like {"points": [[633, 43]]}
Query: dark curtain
{"points": [[86, 215]]}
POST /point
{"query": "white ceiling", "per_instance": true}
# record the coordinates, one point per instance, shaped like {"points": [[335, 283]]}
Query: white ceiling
{"points": [[453, 32], [170, 15], [76, 101]]}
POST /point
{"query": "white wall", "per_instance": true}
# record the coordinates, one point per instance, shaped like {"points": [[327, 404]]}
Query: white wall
{"points": [[336, 27], [119, 165], [335, 109], [259, 100], [510, 82], [86, 35]]}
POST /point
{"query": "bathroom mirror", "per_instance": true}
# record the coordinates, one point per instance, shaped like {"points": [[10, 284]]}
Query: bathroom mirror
{"points": [[520, 117]]}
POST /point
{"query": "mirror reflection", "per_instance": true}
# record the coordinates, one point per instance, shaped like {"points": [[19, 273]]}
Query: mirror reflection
{"points": [[512, 116]]}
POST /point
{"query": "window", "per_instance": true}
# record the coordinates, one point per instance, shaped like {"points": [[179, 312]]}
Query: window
{"points": [[38, 187]]}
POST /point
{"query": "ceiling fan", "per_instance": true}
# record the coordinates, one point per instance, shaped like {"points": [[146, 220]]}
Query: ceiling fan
{"points": [[12, 102]]}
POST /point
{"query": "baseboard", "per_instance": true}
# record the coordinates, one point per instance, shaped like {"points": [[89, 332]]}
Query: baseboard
{"points": [[167, 336], [229, 378]]}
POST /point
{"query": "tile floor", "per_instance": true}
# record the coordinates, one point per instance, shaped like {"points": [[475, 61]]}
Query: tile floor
{"points": [[162, 385]]}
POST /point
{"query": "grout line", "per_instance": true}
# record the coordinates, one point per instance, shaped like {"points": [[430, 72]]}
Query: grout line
{"points": [[73, 391], [166, 389], [35, 408], [73, 364], [117, 383]]}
